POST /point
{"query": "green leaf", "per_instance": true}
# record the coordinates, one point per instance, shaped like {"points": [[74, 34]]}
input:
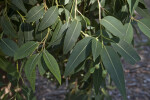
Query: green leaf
{"points": [[113, 65], [126, 51], [26, 49], [66, 2], [7, 27], [72, 35], [143, 12], [20, 5], [97, 79], [144, 26], [132, 5], [113, 25], [41, 66], [7, 66], [30, 69], [35, 13], [96, 48], [49, 18], [128, 37], [8, 47], [52, 65], [80, 52]]}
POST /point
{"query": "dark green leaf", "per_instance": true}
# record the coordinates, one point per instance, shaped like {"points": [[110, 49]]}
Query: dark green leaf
{"points": [[113, 25], [8, 46], [80, 52], [35, 13], [26, 50], [126, 51], [96, 48], [52, 65], [7, 27], [144, 26], [30, 69], [97, 79], [72, 35], [128, 37], [19, 4], [49, 18], [113, 65]]}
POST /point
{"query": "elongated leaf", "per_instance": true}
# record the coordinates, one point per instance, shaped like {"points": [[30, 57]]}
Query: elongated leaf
{"points": [[113, 25], [7, 66], [97, 79], [52, 65], [19, 4], [30, 69], [49, 18], [126, 51], [113, 65], [132, 5], [96, 48], [72, 35], [7, 27], [80, 52], [41, 66], [128, 37], [144, 26], [8, 46], [35, 13], [143, 12], [26, 49]]}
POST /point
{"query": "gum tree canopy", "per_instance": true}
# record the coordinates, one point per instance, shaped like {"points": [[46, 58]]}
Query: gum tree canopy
{"points": [[79, 41]]}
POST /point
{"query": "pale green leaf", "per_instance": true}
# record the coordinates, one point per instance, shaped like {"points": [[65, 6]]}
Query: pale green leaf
{"points": [[80, 52], [132, 5], [26, 49], [143, 12], [113, 25], [8, 46], [113, 65], [72, 35], [126, 51], [35, 13], [49, 18], [52, 65]]}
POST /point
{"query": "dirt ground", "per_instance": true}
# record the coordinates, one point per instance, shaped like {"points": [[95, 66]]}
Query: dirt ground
{"points": [[137, 77]]}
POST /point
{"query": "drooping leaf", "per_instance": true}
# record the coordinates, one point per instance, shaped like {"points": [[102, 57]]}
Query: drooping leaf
{"points": [[144, 26], [126, 51], [20, 5], [96, 48], [80, 52], [8, 46], [35, 13], [132, 5], [113, 25], [72, 35], [49, 18], [143, 12], [97, 79], [8, 67], [113, 65], [41, 66], [128, 36], [30, 69], [26, 49], [7, 27], [52, 65]]}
